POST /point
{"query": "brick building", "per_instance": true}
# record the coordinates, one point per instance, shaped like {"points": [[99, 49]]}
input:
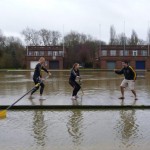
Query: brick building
{"points": [[54, 56], [110, 56]]}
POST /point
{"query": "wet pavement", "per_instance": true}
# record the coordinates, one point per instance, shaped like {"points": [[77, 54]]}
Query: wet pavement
{"points": [[100, 88]]}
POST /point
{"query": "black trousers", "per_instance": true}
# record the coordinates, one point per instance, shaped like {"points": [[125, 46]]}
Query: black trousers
{"points": [[36, 88], [76, 87]]}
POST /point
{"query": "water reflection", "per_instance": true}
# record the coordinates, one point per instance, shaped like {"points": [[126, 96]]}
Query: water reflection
{"points": [[39, 128], [127, 128], [75, 127]]}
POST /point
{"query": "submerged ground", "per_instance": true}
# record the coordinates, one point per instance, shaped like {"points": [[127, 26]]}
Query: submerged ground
{"points": [[119, 129]]}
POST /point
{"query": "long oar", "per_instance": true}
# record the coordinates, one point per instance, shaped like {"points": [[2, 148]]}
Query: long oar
{"points": [[3, 112]]}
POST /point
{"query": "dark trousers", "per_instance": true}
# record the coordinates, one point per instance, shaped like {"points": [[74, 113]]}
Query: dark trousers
{"points": [[76, 87], [36, 88]]}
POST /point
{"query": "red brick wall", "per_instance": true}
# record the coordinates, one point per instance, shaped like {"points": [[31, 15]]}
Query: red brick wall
{"points": [[132, 60]]}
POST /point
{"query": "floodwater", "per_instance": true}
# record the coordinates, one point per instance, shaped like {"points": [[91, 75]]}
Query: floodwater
{"points": [[100, 88], [75, 129]]}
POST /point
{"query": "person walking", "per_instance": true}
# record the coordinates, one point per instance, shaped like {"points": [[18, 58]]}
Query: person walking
{"points": [[129, 79], [72, 80], [37, 77]]}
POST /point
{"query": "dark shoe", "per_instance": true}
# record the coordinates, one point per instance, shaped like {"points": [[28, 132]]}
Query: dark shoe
{"points": [[121, 97]]}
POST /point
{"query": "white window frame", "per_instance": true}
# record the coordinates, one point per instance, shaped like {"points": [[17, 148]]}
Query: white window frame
{"points": [[126, 52], [113, 52], [36, 53], [41, 53], [30, 53], [144, 53], [134, 53], [104, 52], [50, 53], [60, 53], [121, 53], [55, 53]]}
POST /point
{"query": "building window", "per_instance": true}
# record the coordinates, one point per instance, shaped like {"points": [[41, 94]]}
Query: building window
{"points": [[112, 52], [121, 53], [144, 52], [126, 53], [60, 53], [55, 53], [50, 53], [30, 53], [135, 53], [104, 52], [41, 53], [36, 53]]}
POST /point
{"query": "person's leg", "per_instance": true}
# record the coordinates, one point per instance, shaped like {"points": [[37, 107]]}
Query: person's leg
{"points": [[36, 88], [122, 92], [41, 88], [122, 87], [133, 91], [73, 85], [132, 87], [77, 88]]}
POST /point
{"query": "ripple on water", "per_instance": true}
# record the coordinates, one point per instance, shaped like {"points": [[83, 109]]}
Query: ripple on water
{"points": [[76, 129]]}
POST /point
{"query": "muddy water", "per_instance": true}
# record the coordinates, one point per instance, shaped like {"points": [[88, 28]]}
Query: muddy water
{"points": [[100, 88], [76, 130]]}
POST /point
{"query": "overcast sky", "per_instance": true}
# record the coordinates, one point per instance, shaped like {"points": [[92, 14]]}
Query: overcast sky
{"points": [[83, 16]]}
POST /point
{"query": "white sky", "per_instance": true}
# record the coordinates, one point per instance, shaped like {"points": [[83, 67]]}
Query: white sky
{"points": [[83, 16]]}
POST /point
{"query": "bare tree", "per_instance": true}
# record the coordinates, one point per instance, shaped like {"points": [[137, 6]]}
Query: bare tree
{"points": [[134, 40], [2, 39], [55, 37], [41, 37], [46, 37], [148, 37], [112, 36], [31, 37]]}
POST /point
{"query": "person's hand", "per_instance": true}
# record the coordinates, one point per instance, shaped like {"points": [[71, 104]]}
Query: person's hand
{"points": [[42, 79], [78, 77], [49, 74]]}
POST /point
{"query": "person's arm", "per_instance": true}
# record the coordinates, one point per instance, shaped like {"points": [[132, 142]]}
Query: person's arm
{"points": [[78, 73], [119, 71], [133, 72], [43, 68], [73, 73]]}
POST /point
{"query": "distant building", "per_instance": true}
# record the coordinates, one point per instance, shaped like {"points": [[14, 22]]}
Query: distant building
{"points": [[110, 56], [54, 56]]}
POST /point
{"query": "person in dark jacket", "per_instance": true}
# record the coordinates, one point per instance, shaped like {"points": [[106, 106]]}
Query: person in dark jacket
{"points": [[37, 77], [129, 79], [72, 80]]}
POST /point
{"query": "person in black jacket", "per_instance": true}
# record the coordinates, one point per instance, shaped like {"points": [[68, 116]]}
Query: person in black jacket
{"points": [[73, 75], [129, 79], [37, 77]]}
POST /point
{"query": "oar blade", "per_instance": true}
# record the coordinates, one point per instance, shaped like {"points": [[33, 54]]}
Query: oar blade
{"points": [[3, 114]]}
